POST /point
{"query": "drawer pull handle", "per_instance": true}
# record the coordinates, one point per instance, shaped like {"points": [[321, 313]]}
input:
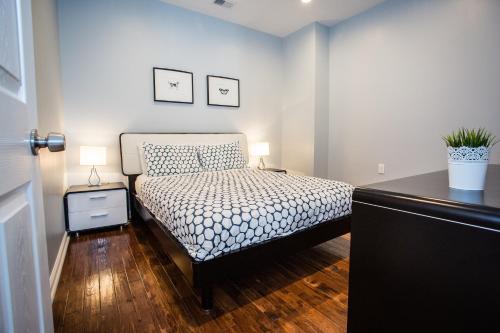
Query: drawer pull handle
{"points": [[98, 197], [99, 215]]}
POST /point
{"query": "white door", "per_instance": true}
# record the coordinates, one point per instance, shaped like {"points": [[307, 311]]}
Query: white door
{"points": [[24, 278]]}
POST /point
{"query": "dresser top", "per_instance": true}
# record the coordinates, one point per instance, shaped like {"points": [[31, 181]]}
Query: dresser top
{"points": [[435, 185], [103, 187], [429, 193]]}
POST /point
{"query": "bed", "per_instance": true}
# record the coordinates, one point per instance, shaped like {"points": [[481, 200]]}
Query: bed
{"points": [[219, 221]]}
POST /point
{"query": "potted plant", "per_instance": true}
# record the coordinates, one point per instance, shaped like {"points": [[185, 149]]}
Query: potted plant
{"points": [[468, 155]]}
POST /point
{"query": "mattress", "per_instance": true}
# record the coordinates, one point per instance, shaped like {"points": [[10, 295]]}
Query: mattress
{"points": [[214, 213], [138, 184]]}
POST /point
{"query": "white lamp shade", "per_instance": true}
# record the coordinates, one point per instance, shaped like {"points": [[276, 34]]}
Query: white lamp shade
{"points": [[259, 149], [90, 155]]}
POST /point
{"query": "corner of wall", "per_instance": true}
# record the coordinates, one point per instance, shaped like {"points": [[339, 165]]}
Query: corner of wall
{"points": [[321, 100], [50, 118], [306, 100]]}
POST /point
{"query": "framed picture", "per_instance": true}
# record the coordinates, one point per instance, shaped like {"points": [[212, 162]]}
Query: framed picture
{"points": [[223, 91], [172, 85]]}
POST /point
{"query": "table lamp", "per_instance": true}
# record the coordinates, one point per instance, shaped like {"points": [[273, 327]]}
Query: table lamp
{"points": [[91, 155], [260, 149]]}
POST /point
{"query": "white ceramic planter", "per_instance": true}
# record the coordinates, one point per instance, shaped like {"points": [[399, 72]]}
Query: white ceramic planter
{"points": [[467, 167]]}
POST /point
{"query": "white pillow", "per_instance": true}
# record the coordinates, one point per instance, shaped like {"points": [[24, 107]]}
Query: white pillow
{"points": [[222, 156], [142, 160], [170, 159]]}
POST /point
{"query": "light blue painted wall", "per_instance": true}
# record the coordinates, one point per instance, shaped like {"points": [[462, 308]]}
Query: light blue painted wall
{"points": [[411, 70], [108, 49], [405, 73], [322, 99], [305, 101], [298, 101], [50, 119]]}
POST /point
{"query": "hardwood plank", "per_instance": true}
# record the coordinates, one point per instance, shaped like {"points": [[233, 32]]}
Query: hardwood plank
{"points": [[115, 281], [125, 305], [75, 284], [185, 305], [110, 314], [247, 314], [155, 298], [174, 304], [61, 297], [92, 302], [75, 280]]}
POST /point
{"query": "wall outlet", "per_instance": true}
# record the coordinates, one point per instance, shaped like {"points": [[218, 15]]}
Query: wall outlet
{"points": [[381, 168]]}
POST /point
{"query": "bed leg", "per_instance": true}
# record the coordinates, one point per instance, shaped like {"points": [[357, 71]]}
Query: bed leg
{"points": [[134, 214], [207, 297]]}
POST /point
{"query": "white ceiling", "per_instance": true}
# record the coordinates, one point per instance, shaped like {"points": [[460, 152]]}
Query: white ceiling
{"points": [[279, 17]]}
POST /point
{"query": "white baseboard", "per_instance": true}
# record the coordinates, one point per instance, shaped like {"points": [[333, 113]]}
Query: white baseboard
{"points": [[56, 270]]}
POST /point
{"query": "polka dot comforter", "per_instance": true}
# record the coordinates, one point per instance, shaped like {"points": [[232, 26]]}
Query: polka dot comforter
{"points": [[213, 213]]}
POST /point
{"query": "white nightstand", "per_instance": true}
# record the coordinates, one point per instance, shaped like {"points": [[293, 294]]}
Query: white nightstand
{"points": [[91, 207]]}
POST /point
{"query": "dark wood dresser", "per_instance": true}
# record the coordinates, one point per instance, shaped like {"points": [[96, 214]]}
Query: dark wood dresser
{"points": [[424, 257]]}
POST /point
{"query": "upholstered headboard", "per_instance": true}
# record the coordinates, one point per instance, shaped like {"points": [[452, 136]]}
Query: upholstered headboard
{"points": [[129, 142]]}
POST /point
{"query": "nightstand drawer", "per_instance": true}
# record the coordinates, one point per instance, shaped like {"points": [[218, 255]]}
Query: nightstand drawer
{"points": [[98, 218], [86, 201]]}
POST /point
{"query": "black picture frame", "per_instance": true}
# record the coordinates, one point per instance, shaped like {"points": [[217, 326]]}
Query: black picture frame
{"points": [[237, 105], [155, 86]]}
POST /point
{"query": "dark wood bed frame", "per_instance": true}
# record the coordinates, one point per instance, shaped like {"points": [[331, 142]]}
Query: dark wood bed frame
{"points": [[202, 274]]}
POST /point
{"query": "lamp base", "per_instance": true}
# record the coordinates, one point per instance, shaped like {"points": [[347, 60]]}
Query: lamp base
{"points": [[94, 179], [261, 165]]}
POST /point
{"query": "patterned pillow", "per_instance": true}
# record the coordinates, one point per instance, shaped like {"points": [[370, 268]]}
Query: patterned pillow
{"points": [[221, 157], [170, 160]]}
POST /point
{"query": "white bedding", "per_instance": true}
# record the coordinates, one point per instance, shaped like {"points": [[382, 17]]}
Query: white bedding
{"points": [[138, 184], [212, 213]]}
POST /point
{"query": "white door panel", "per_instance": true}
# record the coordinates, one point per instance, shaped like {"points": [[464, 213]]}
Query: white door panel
{"points": [[16, 161], [17, 255], [24, 281], [10, 66]]}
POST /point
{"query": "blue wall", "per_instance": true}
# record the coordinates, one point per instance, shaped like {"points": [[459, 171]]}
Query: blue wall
{"points": [[408, 69], [404, 74], [304, 130], [108, 49], [50, 119]]}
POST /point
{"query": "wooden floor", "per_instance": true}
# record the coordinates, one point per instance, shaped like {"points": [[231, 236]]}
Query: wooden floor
{"points": [[116, 281]]}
